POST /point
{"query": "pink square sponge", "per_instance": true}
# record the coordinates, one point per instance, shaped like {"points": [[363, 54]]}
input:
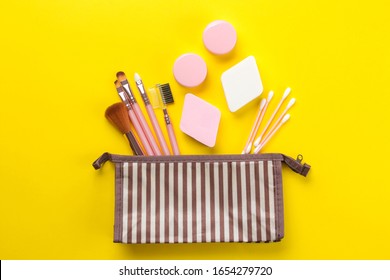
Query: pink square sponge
{"points": [[200, 120]]}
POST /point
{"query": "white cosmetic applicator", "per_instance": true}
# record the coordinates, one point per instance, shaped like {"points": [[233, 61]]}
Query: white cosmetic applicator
{"points": [[292, 102], [286, 93], [248, 145], [268, 137], [263, 108]]}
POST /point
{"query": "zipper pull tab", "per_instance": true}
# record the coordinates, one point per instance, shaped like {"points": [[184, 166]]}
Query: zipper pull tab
{"points": [[296, 165], [97, 164]]}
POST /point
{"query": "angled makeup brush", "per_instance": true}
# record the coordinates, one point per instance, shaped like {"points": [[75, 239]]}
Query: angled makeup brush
{"points": [[117, 115], [137, 110], [268, 137]]}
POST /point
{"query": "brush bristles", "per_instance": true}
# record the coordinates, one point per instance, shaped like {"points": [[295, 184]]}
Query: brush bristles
{"points": [[118, 84], [121, 76], [118, 116], [137, 77], [166, 94]]}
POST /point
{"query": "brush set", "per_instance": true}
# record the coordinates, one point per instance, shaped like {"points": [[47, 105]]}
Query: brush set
{"points": [[128, 117]]}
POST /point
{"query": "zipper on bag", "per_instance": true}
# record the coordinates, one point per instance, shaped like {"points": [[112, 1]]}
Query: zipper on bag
{"points": [[294, 164]]}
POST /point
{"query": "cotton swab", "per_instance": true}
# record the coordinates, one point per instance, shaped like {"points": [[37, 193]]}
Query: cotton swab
{"points": [[286, 93], [289, 105], [268, 137], [263, 108], [248, 145]]}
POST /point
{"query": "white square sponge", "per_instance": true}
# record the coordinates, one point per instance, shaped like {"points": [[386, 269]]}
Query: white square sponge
{"points": [[241, 83]]}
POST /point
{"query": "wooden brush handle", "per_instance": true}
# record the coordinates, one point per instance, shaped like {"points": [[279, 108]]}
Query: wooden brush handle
{"points": [[134, 144]]}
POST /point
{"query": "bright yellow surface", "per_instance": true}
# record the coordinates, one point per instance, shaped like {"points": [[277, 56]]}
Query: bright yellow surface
{"points": [[58, 63]]}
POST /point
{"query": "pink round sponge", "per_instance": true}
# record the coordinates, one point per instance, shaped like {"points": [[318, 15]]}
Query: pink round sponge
{"points": [[219, 37], [190, 70]]}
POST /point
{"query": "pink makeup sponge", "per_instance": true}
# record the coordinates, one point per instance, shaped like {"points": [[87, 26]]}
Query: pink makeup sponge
{"points": [[190, 70], [219, 37], [200, 120]]}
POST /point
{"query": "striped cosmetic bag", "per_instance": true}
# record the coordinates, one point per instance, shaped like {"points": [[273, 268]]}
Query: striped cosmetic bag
{"points": [[203, 198]]}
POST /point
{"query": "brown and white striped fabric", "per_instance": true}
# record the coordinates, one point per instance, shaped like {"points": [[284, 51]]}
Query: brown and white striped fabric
{"points": [[184, 199]]}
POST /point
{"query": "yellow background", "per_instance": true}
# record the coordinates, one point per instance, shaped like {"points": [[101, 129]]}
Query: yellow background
{"points": [[58, 63]]}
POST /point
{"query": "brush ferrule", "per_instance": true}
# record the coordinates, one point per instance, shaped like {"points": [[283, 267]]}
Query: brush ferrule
{"points": [[125, 83], [126, 87], [166, 117], [128, 105], [131, 98], [129, 95], [124, 99], [142, 91], [140, 86], [122, 95]]}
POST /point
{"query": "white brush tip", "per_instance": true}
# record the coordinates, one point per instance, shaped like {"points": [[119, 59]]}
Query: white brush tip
{"points": [[249, 148], [257, 150], [286, 92], [257, 142], [270, 95], [286, 118], [292, 102], [137, 77], [262, 103]]}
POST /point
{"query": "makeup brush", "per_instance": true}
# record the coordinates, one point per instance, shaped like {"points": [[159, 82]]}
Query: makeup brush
{"points": [[167, 98], [137, 110], [268, 137], [286, 93], [117, 115], [151, 114], [133, 118]]}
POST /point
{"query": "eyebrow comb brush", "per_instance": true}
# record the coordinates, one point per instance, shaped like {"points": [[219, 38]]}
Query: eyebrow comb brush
{"points": [[137, 110], [152, 115], [166, 97]]}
